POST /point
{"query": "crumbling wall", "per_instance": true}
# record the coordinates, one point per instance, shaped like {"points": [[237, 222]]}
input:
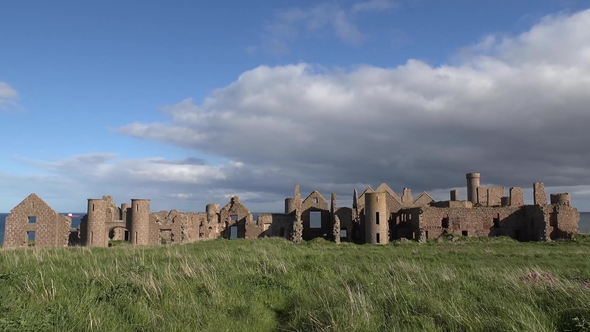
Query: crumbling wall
{"points": [[192, 229], [423, 200], [235, 214], [336, 230], [279, 225], [476, 221], [297, 228], [113, 212], [490, 196], [525, 223], [344, 215], [167, 227], [407, 198], [315, 202], [516, 197], [562, 220], [34, 215], [539, 196]]}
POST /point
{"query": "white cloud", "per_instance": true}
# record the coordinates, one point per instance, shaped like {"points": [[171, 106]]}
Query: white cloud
{"points": [[508, 110], [516, 109], [322, 18], [8, 96], [373, 5]]}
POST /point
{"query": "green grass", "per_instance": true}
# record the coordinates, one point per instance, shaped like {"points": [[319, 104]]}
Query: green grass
{"points": [[273, 285]]}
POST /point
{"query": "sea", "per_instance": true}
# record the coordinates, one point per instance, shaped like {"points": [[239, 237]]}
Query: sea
{"points": [[584, 224]]}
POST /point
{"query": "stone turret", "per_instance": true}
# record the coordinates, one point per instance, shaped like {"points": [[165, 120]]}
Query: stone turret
{"points": [[126, 213], [140, 222], [376, 224], [213, 212], [472, 185], [563, 198], [95, 223]]}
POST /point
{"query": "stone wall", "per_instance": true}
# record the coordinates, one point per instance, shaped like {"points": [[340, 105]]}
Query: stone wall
{"points": [[516, 197], [523, 223], [344, 214], [315, 203], [490, 196], [399, 216], [539, 196], [235, 214], [167, 227], [34, 215]]}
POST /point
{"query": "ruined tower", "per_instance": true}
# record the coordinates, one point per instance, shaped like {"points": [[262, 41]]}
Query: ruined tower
{"points": [[472, 184], [139, 228], [293, 203], [212, 213], [376, 223], [125, 212], [562, 198], [95, 227], [289, 205]]}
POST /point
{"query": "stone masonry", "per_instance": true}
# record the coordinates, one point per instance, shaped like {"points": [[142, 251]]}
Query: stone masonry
{"points": [[34, 216], [377, 216]]}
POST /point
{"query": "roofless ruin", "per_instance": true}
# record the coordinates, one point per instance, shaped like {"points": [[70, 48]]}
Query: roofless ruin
{"points": [[376, 217]]}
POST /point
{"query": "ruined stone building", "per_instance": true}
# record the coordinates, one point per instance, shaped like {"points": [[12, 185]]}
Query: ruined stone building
{"points": [[34, 219], [376, 217]]}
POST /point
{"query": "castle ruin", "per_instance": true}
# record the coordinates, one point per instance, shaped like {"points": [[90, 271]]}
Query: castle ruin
{"points": [[376, 217]]}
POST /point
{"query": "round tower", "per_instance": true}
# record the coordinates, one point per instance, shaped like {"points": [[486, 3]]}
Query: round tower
{"points": [[95, 219], [290, 205], [376, 223], [125, 212], [212, 212], [563, 198], [472, 184], [139, 228]]}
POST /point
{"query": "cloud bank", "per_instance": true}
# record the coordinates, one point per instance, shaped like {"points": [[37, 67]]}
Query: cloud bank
{"points": [[515, 108]]}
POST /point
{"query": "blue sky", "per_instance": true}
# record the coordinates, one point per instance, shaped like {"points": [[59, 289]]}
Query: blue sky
{"points": [[190, 102]]}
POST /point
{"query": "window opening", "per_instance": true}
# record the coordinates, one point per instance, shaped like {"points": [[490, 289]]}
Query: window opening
{"points": [[32, 219], [377, 218], [315, 219], [31, 239]]}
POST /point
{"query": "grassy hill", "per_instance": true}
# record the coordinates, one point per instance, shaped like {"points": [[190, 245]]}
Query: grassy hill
{"points": [[274, 285]]}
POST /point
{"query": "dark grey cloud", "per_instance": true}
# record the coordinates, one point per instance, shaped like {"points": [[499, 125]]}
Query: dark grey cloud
{"points": [[186, 161]]}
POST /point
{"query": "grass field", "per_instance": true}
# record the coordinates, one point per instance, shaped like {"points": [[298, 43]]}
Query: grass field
{"points": [[273, 285]]}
